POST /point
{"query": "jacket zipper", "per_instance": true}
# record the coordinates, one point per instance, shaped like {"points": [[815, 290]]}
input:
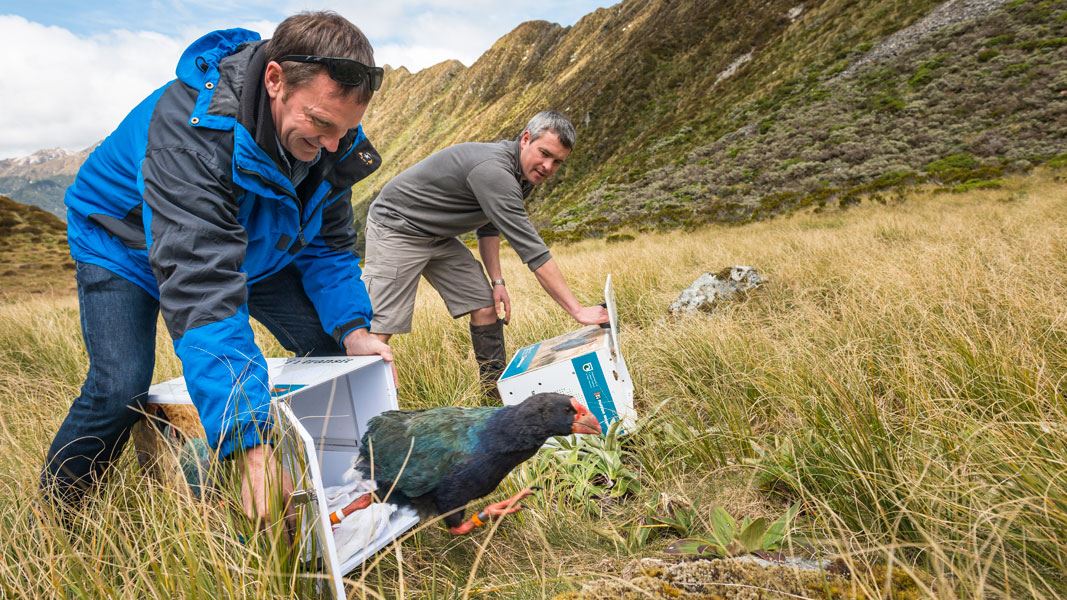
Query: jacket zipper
{"points": [[299, 209], [284, 192]]}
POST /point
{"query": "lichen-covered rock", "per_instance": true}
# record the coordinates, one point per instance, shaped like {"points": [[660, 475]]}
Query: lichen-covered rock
{"points": [[709, 290], [651, 578]]}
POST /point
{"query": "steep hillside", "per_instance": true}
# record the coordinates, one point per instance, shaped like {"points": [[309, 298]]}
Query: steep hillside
{"points": [[694, 111], [41, 178], [33, 251]]}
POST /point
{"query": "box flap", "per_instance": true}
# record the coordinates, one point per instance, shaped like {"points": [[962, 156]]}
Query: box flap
{"points": [[169, 392], [287, 376], [558, 349], [314, 532], [613, 318]]}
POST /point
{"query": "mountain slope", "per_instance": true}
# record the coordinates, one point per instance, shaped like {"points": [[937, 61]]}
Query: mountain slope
{"points": [[41, 178], [34, 257], [692, 111]]}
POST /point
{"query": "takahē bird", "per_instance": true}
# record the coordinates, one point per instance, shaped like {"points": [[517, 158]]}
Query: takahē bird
{"points": [[454, 455]]}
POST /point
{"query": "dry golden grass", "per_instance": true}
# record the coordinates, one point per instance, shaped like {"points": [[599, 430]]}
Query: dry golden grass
{"points": [[902, 376]]}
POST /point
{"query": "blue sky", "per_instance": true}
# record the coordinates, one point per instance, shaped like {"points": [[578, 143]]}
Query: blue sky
{"points": [[74, 68]]}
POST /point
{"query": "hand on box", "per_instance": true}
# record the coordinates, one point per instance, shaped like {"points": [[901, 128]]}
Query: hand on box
{"points": [[361, 343], [591, 315]]}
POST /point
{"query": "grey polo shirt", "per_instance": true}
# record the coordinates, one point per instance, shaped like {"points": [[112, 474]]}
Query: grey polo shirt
{"points": [[466, 187]]}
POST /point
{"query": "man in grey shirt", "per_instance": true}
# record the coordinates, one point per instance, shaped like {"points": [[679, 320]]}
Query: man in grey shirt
{"points": [[413, 223]]}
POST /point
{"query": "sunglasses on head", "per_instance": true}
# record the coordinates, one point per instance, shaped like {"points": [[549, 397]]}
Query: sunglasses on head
{"points": [[343, 70]]}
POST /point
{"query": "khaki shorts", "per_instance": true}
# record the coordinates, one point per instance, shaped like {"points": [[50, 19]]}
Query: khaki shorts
{"points": [[394, 262]]}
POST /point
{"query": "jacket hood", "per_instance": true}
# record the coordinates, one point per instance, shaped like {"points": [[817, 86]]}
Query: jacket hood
{"points": [[200, 62], [215, 66]]}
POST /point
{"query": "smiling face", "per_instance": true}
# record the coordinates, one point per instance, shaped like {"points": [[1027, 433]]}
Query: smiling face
{"points": [[541, 158], [312, 116]]}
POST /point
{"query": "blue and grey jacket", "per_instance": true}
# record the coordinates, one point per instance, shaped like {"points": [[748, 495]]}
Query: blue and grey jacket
{"points": [[186, 200]]}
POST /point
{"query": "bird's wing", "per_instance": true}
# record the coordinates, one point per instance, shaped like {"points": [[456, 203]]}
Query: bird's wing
{"points": [[432, 442]]}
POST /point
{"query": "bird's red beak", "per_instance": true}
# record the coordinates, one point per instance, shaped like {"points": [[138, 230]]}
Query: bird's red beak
{"points": [[584, 421]]}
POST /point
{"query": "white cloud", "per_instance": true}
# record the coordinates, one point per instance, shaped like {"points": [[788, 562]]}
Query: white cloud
{"points": [[59, 89], [433, 38], [70, 90]]}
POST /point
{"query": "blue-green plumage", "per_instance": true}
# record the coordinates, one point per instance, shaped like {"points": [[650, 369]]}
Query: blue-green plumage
{"points": [[454, 455], [431, 442]]}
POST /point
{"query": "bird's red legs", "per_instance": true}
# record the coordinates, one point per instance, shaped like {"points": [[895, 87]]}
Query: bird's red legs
{"points": [[506, 507], [497, 509], [357, 504]]}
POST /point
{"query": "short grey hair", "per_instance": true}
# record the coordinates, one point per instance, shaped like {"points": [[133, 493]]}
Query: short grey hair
{"points": [[555, 122]]}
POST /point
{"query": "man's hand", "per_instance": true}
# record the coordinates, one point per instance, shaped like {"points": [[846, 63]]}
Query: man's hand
{"points": [[591, 315], [500, 296], [259, 473], [550, 278], [361, 343]]}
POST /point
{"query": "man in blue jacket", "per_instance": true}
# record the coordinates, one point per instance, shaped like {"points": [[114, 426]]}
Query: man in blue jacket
{"points": [[224, 195]]}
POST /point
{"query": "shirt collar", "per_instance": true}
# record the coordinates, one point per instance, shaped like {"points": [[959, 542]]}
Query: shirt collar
{"points": [[516, 169], [295, 169]]}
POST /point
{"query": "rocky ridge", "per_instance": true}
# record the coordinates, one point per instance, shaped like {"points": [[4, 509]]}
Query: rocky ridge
{"points": [[949, 13], [691, 113], [41, 178]]}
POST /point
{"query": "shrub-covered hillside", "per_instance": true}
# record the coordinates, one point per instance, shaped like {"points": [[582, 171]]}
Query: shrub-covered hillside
{"points": [[33, 251], [696, 111], [960, 107]]}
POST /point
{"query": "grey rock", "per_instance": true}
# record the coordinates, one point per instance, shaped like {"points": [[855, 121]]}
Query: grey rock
{"points": [[709, 290], [948, 13]]}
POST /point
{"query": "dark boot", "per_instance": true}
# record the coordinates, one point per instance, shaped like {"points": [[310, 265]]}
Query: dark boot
{"points": [[488, 342]]}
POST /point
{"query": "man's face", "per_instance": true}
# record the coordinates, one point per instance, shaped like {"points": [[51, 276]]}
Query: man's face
{"points": [[311, 116], [541, 158]]}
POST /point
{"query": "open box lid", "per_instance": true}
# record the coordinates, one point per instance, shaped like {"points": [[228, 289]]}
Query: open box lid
{"points": [[314, 533], [321, 406], [286, 376], [613, 318]]}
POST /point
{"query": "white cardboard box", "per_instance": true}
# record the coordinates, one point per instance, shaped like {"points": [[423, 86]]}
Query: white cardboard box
{"points": [[586, 364], [321, 407]]}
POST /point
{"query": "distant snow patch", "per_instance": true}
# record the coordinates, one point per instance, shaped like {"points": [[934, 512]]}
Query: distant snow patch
{"points": [[39, 157]]}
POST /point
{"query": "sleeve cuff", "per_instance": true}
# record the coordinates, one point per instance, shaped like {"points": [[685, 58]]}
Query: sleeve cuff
{"points": [[536, 262], [341, 332], [487, 230], [254, 434]]}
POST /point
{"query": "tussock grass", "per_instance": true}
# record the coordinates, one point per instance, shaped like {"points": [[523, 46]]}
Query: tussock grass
{"points": [[903, 375]]}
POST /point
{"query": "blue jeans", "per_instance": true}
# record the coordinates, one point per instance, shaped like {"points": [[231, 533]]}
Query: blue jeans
{"points": [[118, 321]]}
